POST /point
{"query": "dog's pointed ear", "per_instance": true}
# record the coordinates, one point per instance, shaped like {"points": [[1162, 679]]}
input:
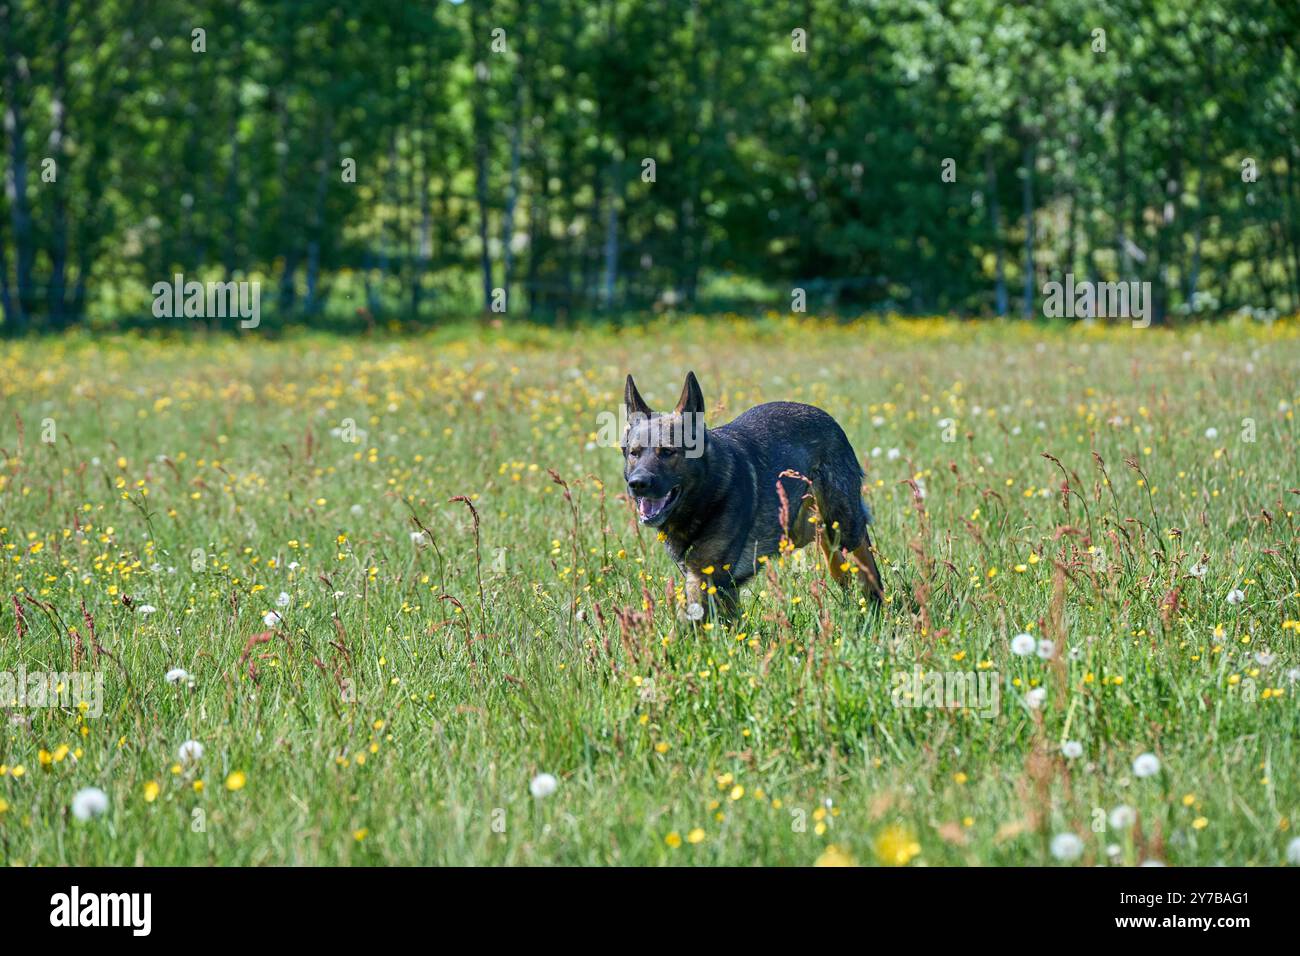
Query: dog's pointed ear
{"points": [[633, 401], [692, 400]]}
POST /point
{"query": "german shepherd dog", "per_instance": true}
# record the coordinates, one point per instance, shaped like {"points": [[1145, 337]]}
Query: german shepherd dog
{"points": [[722, 498]]}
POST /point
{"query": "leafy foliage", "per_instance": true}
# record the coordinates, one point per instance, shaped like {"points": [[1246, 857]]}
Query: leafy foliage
{"points": [[503, 145]]}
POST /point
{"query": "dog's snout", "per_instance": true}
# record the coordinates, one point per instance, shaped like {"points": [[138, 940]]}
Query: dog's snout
{"points": [[638, 484]]}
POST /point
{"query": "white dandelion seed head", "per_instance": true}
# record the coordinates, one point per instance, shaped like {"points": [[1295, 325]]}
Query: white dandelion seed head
{"points": [[190, 752], [293, 565], [1022, 645], [1265, 658], [695, 611], [1152, 863], [1293, 852], [1199, 570], [1236, 596], [89, 802], [1113, 850], [1046, 649], [146, 609], [1146, 765], [176, 675], [1293, 675], [893, 454], [270, 619], [543, 785], [1036, 697], [283, 599], [356, 510], [1211, 433], [1122, 817], [1072, 749], [1067, 847]]}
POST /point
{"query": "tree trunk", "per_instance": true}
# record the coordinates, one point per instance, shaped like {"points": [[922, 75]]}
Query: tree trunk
{"points": [[58, 130], [481, 134], [1027, 196], [611, 237], [512, 193], [229, 255], [1122, 261], [15, 127], [288, 294], [995, 213], [1194, 270], [539, 226], [1072, 219], [7, 309], [424, 245], [1291, 228], [314, 301]]}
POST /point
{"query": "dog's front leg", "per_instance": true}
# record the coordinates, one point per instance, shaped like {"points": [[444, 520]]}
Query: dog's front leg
{"points": [[701, 605], [697, 607]]}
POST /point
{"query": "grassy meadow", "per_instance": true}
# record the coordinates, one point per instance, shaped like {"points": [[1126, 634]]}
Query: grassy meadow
{"points": [[403, 586]]}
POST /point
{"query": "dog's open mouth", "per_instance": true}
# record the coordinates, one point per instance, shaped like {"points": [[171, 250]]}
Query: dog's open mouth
{"points": [[654, 510]]}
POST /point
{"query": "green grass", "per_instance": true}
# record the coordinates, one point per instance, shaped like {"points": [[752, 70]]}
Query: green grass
{"points": [[412, 690]]}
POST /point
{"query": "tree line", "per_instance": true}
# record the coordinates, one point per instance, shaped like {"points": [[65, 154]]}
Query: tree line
{"points": [[406, 161]]}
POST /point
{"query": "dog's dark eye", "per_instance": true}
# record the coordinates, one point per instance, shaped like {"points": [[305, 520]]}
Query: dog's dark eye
{"points": [[665, 452]]}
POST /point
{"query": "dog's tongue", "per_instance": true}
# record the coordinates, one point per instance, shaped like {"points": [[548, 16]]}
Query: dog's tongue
{"points": [[649, 507]]}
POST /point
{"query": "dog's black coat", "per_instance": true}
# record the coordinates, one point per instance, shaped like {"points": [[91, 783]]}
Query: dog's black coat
{"points": [[722, 510]]}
